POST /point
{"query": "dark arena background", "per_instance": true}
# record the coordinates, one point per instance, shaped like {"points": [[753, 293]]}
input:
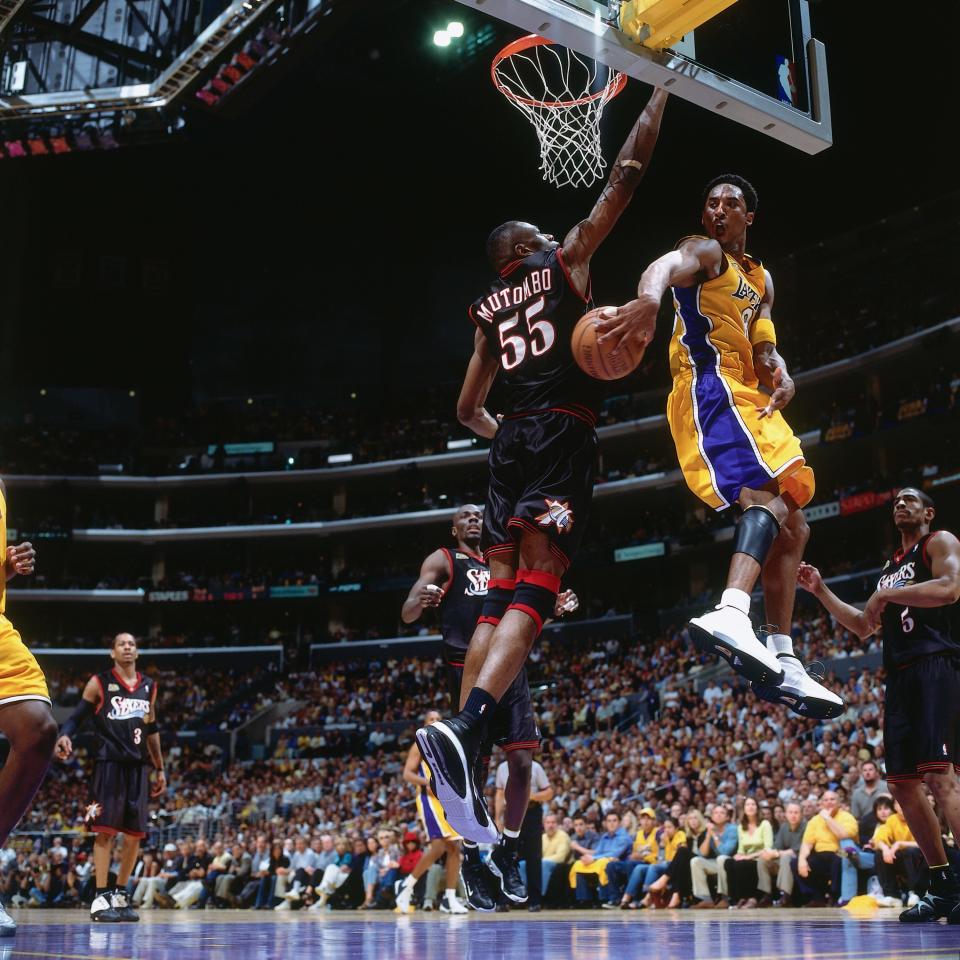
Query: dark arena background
{"points": [[239, 245]]}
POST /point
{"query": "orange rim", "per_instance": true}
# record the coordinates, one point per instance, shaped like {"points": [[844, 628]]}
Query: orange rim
{"points": [[529, 42]]}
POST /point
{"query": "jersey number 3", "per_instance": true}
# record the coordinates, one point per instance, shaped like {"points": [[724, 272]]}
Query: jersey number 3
{"points": [[137, 734], [542, 335]]}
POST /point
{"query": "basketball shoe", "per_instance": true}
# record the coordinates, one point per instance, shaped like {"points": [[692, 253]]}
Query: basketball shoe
{"points": [[727, 632], [801, 692], [121, 903], [102, 911], [476, 881], [505, 866], [8, 926], [450, 904], [451, 754]]}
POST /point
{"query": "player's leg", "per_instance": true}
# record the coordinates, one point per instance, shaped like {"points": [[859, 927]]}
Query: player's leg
{"points": [[102, 909], [450, 903], [404, 887], [505, 856], [120, 899], [798, 690], [452, 746], [727, 630], [32, 732]]}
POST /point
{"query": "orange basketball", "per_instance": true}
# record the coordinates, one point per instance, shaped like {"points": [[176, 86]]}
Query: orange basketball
{"points": [[598, 359]]}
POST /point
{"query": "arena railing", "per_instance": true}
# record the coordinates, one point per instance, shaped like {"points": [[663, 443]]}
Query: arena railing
{"points": [[638, 427]]}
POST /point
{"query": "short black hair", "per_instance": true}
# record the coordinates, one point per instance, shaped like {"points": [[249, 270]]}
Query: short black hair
{"points": [[923, 496], [884, 800], [501, 242], [745, 186]]}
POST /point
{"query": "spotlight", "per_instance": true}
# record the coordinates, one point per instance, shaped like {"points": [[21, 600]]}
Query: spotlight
{"points": [[441, 38], [455, 29]]}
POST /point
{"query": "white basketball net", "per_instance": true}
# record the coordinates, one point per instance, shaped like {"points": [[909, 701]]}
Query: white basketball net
{"points": [[563, 95]]}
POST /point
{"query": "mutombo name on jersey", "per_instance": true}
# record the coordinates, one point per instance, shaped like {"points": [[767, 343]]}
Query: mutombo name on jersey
{"points": [[462, 602], [527, 317], [910, 633], [121, 719]]}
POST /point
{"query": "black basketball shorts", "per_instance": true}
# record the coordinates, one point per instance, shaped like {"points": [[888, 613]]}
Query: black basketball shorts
{"points": [[513, 726], [541, 479], [120, 798], [921, 718]]}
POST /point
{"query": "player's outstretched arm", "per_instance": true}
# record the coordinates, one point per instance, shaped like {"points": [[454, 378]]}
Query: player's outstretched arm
{"points": [[427, 591], [694, 261], [74, 723], [809, 578], [481, 370], [581, 243]]}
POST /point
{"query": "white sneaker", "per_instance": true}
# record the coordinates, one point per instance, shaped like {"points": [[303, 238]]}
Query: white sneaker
{"points": [[801, 693], [913, 899], [282, 906], [889, 902], [292, 895], [404, 896], [452, 905], [728, 633]]}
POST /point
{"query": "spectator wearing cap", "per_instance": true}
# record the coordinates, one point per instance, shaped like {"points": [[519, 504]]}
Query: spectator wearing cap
{"points": [[632, 872], [719, 842], [777, 862], [614, 844], [148, 887], [817, 866]]}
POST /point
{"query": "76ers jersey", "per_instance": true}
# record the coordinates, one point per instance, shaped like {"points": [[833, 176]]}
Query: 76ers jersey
{"points": [[527, 316], [910, 633], [462, 602], [121, 719]]}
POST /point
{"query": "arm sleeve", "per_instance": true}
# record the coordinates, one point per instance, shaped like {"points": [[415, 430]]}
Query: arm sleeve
{"points": [[77, 719], [762, 330]]}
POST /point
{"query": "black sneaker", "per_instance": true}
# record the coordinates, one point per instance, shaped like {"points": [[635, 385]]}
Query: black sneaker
{"points": [[450, 753], [8, 926], [121, 903], [932, 908], [506, 867], [101, 910], [477, 883]]}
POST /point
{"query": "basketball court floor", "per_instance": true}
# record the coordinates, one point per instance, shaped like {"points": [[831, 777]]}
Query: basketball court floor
{"points": [[667, 935]]}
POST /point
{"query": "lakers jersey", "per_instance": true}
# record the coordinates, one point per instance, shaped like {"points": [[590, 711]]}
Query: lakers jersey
{"points": [[717, 323], [20, 675], [431, 813]]}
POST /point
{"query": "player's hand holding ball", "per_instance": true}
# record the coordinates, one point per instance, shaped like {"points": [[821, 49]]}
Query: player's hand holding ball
{"points": [[607, 344]]}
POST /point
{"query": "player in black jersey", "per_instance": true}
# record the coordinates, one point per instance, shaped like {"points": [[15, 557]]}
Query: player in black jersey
{"points": [[455, 582], [122, 703], [914, 606], [541, 459]]}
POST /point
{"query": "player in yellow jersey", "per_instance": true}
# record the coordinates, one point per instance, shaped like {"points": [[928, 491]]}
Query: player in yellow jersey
{"points": [[25, 714], [734, 445]]}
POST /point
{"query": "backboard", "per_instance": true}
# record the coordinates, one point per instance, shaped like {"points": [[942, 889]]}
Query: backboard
{"points": [[755, 62]]}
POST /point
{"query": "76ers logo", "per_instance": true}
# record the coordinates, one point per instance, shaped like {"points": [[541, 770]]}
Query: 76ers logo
{"points": [[477, 581], [558, 513]]}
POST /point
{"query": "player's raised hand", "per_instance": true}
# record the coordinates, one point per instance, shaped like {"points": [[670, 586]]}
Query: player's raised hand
{"points": [[159, 784], [635, 321], [430, 595], [567, 602], [783, 393], [63, 748], [808, 577], [21, 559]]}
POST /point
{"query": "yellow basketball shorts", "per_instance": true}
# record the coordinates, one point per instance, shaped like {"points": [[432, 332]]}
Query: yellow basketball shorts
{"points": [[20, 675], [432, 817], [724, 445]]}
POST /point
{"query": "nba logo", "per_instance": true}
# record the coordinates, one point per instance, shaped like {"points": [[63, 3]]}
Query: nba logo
{"points": [[786, 81]]}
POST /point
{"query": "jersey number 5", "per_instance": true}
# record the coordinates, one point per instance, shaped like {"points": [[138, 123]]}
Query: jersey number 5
{"points": [[906, 621], [542, 335]]}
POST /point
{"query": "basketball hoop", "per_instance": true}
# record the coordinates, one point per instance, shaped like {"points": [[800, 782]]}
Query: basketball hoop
{"points": [[563, 95]]}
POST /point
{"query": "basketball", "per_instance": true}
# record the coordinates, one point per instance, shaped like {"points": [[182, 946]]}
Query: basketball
{"points": [[598, 359]]}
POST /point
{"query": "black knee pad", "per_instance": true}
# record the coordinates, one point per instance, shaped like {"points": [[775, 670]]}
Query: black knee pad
{"points": [[536, 595], [499, 595], [756, 531]]}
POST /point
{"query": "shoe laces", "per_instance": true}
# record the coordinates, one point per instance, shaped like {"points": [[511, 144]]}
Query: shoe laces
{"points": [[816, 670]]}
